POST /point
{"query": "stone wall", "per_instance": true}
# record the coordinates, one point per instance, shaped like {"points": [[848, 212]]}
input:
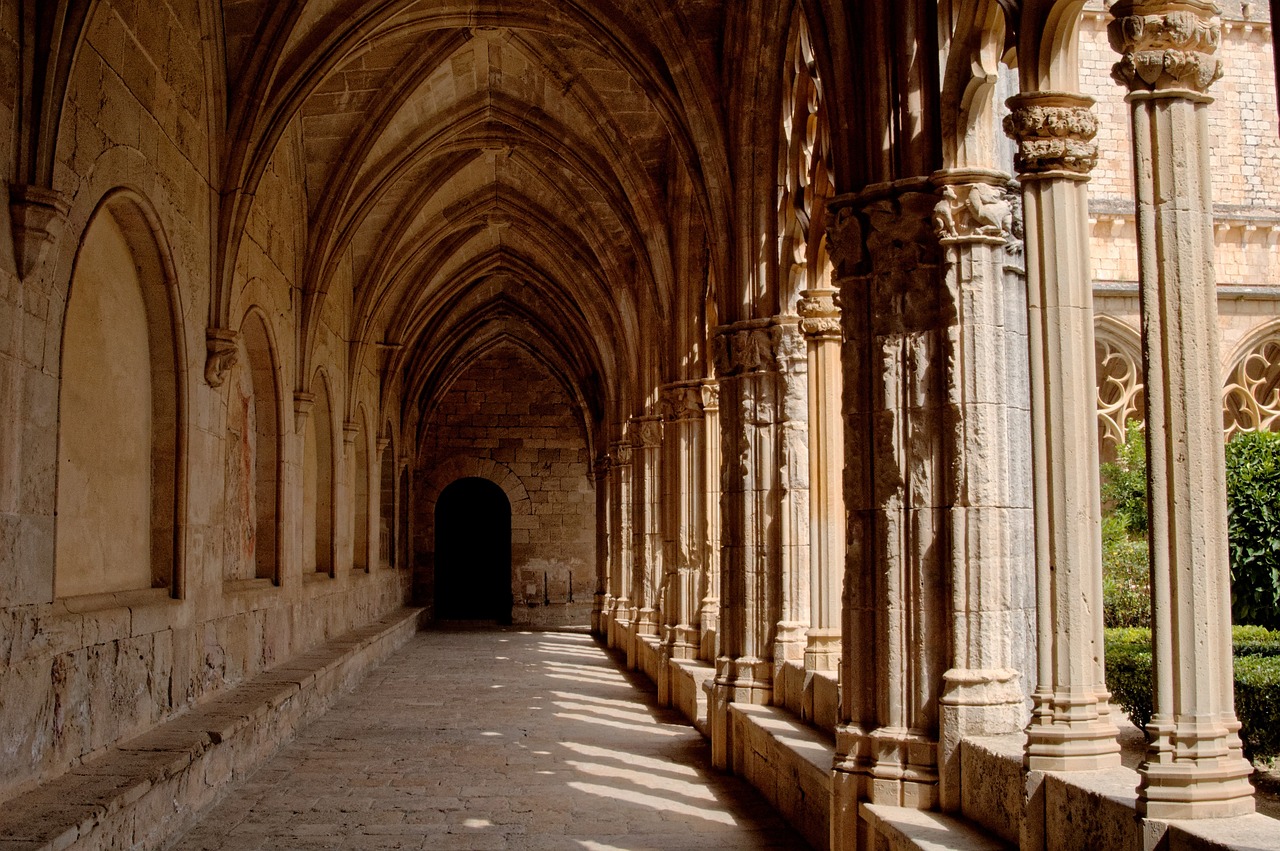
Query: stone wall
{"points": [[507, 419]]}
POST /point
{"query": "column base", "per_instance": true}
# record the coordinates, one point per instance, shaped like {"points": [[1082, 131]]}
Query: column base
{"points": [[895, 766], [1068, 734], [708, 646], [975, 702], [647, 621], [1194, 769], [822, 650], [682, 641]]}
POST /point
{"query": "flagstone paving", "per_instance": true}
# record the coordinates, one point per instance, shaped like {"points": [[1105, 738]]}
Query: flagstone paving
{"points": [[494, 739]]}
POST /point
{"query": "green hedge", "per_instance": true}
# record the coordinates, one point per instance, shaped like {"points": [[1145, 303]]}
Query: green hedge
{"points": [[1253, 527], [1257, 682]]}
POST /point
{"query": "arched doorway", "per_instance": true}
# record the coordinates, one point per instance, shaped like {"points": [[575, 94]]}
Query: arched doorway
{"points": [[473, 552]]}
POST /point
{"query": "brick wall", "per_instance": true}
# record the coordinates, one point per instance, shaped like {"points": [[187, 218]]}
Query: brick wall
{"points": [[508, 419]]}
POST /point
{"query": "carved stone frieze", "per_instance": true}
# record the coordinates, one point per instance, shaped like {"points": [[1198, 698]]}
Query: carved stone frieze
{"points": [[223, 351], [970, 212], [1054, 132], [738, 350], [38, 216], [844, 236], [819, 314], [1166, 46], [682, 402]]}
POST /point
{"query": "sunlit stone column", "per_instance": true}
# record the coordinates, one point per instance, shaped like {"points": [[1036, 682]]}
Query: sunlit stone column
{"points": [[793, 485], [648, 573], [981, 694], [604, 568], [685, 556], [1194, 767], [746, 367], [709, 620], [621, 545], [895, 627], [820, 324], [1070, 726]]}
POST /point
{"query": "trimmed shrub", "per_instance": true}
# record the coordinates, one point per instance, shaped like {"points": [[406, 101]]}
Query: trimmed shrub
{"points": [[1126, 578], [1257, 682], [1124, 481], [1253, 527]]}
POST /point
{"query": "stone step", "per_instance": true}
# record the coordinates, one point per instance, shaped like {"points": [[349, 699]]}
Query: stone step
{"points": [[138, 793], [905, 829]]}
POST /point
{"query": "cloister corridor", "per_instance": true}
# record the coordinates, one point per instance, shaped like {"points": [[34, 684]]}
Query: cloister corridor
{"points": [[493, 738]]}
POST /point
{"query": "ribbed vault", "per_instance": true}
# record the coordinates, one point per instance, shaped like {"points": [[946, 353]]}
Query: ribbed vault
{"points": [[479, 171]]}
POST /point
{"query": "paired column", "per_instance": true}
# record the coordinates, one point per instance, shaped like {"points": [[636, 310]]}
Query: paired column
{"points": [[895, 628], [710, 617], [686, 553], [750, 395], [621, 548], [1194, 767], [790, 638], [647, 441], [1070, 726], [990, 598], [820, 324]]}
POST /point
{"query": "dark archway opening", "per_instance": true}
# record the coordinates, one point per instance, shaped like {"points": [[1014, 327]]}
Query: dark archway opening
{"points": [[473, 552]]}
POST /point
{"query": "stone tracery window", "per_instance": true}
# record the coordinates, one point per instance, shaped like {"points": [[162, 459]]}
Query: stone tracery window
{"points": [[1120, 389], [805, 183], [1251, 398]]}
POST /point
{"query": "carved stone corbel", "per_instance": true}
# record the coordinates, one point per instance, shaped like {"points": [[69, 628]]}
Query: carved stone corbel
{"points": [[819, 314], [37, 216], [350, 430], [302, 405], [223, 352]]}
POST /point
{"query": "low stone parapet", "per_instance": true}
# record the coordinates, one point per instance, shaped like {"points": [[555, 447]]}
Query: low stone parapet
{"points": [[141, 792]]}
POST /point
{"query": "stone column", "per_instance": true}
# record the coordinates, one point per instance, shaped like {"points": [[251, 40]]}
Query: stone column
{"points": [[793, 484], [620, 546], [820, 324], [709, 620], [685, 556], [895, 628], [1194, 767], [604, 568], [1070, 726], [981, 694], [746, 367], [648, 573]]}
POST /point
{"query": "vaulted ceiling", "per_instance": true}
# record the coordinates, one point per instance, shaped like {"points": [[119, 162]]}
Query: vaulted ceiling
{"points": [[485, 169]]}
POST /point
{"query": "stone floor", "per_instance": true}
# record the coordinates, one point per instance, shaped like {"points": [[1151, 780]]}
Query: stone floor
{"points": [[493, 739]]}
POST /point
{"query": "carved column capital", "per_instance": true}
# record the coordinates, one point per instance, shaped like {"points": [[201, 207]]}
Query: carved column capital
{"points": [[1054, 132], [223, 352], [38, 216], [302, 405], [600, 467], [620, 453], [976, 207], [682, 401], [1166, 47], [710, 396], [819, 314], [646, 431], [844, 235], [744, 347]]}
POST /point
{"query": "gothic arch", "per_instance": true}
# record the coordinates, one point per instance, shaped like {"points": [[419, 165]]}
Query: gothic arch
{"points": [[122, 378], [1119, 374], [1251, 386], [319, 478]]}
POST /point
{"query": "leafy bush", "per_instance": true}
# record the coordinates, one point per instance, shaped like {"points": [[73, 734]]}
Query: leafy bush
{"points": [[1257, 682], [1124, 481], [1253, 527], [1126, 578]]}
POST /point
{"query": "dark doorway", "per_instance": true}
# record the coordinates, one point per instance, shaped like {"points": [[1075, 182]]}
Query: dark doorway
{"points": [[473, 552]]}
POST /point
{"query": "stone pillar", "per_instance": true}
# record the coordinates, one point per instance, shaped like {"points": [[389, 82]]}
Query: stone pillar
{"points": [[685, 556], [820, 324], [1194, 767], [648, 532], [746, 367], [793, 483], [604, 568], [1070, 726], [895, 627], [709, 620], [981, 694], [621, 550]]}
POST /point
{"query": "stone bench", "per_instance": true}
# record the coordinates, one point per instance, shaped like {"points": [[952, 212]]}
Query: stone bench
{"points": [[140, 792]]}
